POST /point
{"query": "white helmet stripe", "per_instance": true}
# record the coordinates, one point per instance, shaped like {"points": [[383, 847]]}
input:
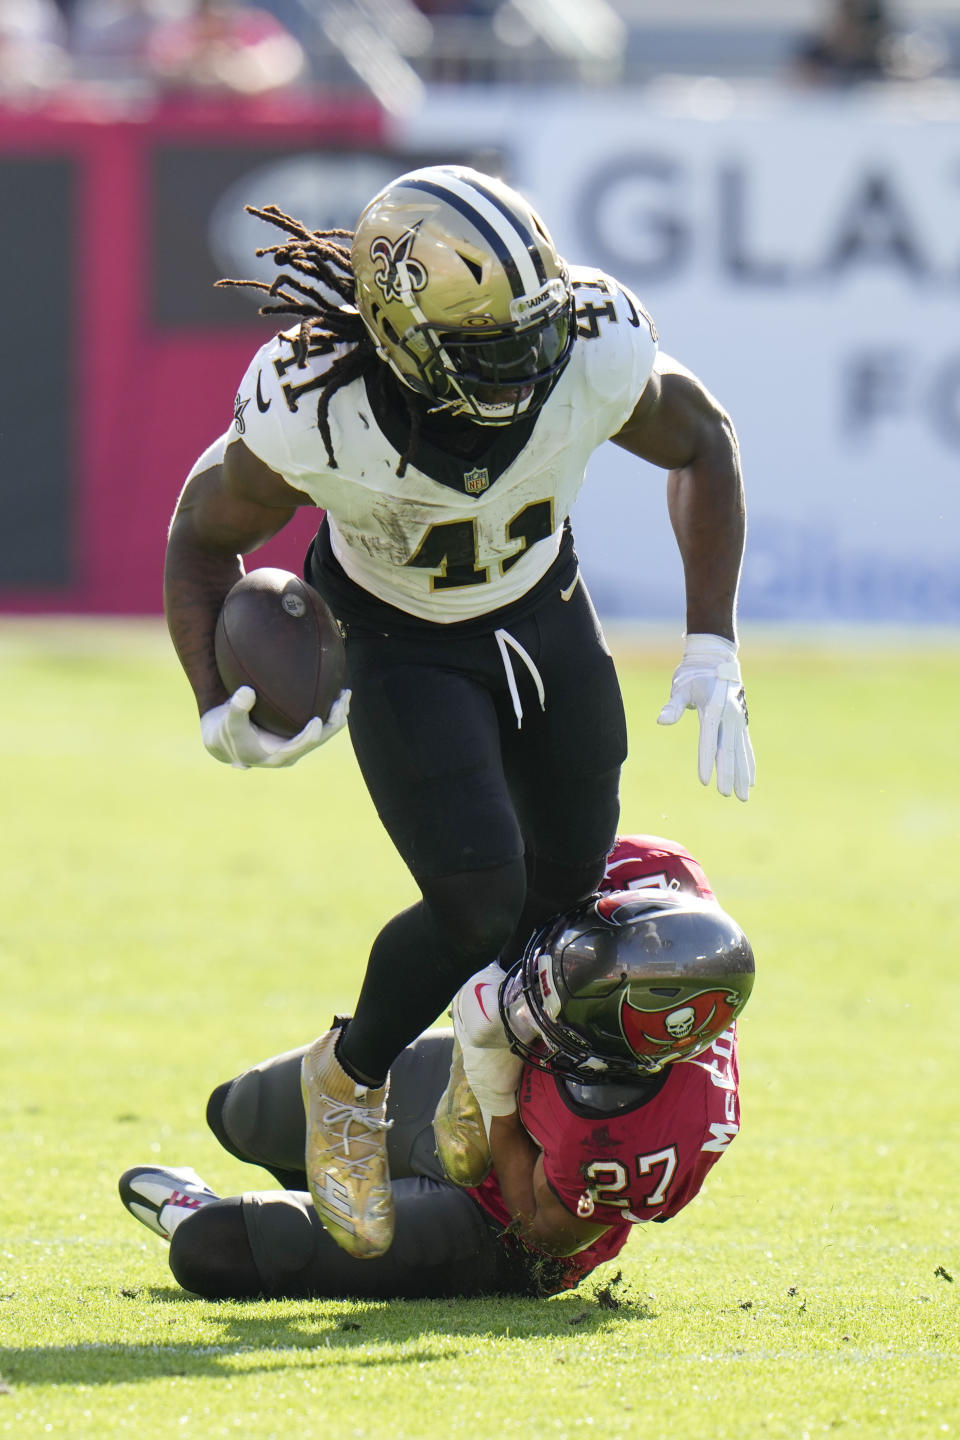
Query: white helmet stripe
{"points": [[528, 234], [503, 234]]}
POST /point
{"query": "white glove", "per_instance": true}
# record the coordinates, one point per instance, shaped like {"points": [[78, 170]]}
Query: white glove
{"points": [[708, 680], [231, 736], [492, 1070]]}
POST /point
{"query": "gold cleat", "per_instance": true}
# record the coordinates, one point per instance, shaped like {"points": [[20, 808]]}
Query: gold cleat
{"points": [[346, 1153], [458, 1129]]}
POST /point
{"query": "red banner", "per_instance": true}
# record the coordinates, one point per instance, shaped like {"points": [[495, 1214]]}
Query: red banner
{"points": [[122, 362]]}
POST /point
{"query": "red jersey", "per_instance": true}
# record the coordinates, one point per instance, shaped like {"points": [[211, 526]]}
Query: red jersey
{"points": [[642, 862], [646, 1162]]}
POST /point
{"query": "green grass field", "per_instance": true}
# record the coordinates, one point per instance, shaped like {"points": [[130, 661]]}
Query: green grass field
{"points": [[164, 921]]}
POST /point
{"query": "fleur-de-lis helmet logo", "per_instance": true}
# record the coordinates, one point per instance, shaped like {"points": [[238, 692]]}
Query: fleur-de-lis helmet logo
{"points": [[397, 274]]}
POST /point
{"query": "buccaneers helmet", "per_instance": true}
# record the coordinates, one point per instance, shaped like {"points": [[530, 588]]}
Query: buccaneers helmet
{"points": [[627, 983], [463, 292]]}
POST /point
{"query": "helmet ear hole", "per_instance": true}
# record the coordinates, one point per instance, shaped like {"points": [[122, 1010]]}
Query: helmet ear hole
{"points": [[476, 269], [382, 321]]}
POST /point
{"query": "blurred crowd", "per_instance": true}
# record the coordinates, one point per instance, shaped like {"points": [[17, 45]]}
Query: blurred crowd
{"points": [[263, 47], [170, 45], [863, 40]]}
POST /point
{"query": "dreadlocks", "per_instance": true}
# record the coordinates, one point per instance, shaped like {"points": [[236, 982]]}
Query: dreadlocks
{"points": [[324, 259]]}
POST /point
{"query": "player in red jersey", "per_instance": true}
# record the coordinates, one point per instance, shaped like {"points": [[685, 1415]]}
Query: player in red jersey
{"points": [[605, 1133]]}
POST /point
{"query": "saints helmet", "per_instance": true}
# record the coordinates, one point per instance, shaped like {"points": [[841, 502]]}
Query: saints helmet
{"points": [[463, 293], [626, 984]]}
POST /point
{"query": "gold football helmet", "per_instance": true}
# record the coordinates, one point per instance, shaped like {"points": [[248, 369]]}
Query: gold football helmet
{"points": [[463, 292]]}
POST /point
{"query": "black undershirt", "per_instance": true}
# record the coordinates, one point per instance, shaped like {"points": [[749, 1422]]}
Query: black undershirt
{"points": [[611, 1097], [446, 445]]}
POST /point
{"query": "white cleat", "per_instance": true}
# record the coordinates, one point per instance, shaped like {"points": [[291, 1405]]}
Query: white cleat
{"points": [[162, 1199]]}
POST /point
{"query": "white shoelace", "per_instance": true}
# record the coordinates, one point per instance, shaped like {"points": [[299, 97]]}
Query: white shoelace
{"points": [[506, 643], [347, 1115]]}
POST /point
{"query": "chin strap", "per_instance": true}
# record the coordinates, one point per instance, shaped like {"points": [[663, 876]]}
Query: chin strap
{"points": [[456, 406]]}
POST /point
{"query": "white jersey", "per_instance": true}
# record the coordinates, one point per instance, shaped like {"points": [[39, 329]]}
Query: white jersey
{"points": [[448, 551]]}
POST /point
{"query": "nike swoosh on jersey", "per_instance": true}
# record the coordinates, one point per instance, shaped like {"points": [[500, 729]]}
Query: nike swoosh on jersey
{"points": [[262, 405], [476, 990], [565, 594]]}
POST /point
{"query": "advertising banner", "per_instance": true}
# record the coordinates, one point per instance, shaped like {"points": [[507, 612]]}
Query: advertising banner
{"points": [[802, 256], [121, 359]]}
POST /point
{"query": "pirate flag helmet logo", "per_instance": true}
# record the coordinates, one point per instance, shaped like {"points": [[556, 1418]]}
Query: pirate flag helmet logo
{"points": [[627, 983]]}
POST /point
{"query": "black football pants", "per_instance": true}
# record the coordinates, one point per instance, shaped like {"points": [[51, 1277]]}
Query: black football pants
{"points": [[271, 1243], [501, 824]]}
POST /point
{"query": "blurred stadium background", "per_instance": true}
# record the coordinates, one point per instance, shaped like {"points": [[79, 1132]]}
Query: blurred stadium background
{"points": [[780, 184], [779, 180]]}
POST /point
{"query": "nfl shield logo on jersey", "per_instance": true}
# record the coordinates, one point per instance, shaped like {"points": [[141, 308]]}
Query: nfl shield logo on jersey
{"points": [[475, 481]]}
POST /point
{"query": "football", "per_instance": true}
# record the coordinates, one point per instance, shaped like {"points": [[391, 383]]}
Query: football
{"points": [[277, 634]]}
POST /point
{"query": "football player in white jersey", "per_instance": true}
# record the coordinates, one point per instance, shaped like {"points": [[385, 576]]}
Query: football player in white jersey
{"points": [[443, 386]]}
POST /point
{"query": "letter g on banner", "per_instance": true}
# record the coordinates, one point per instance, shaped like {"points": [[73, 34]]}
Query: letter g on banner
{"points": [[630, 214]]}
